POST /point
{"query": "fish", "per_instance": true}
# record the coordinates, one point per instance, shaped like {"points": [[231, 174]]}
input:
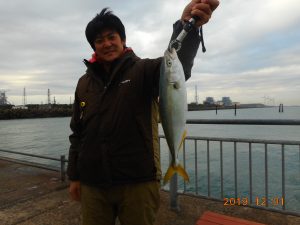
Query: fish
{"points": [[173, 110]]}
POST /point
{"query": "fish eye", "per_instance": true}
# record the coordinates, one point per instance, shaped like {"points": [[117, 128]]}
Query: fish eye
{"points": [[176, 85], [169, 63]]}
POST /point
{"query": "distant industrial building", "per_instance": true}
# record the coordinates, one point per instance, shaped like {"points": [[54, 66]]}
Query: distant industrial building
{"points": [[3, 98], [209, 101], [219, 103], [4, 103], [226, 101]]}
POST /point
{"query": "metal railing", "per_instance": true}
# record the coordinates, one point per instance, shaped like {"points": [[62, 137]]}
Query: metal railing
{"points": [[265, 201], [62, 161], [244, 122], [250, 201]]}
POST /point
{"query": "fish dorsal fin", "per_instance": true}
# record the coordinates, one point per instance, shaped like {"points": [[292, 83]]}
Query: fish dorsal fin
{"points": [[183, 136]]}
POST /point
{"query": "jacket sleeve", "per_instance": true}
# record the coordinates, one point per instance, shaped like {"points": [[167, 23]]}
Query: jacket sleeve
{"points": [[74, 141], [186, 55], [189, 47]]}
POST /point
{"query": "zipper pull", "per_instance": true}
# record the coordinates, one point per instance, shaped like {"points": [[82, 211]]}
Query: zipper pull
{"points": [[82, 106]]}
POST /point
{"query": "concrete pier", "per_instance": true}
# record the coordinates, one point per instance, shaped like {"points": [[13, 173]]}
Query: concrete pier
{"points": [[34, 196]]}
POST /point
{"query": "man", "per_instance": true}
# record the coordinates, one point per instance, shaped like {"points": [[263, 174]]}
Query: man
{"points": [[114, 165]]}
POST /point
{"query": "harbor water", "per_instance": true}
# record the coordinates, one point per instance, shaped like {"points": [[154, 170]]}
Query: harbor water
{"points": [[49, 137]]}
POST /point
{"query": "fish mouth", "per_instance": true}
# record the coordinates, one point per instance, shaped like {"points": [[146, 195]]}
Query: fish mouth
{"points": [[171, 54]]}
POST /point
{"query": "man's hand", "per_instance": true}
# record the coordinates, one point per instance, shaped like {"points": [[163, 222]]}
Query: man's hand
{"points": [[74, 190], [202, 9]]}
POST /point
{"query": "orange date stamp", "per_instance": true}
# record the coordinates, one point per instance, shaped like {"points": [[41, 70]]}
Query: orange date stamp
{"points": [[258, 201]]}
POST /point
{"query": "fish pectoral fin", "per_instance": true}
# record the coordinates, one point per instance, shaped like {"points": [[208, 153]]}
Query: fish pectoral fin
{"points": [[175, 169], [183, 136]]}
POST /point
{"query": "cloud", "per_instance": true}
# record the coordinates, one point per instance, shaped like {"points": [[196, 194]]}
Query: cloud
{"points": [[250, 86], [253, 47]]}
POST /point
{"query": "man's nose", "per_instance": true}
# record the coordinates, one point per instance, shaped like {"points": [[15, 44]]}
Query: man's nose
{"points": [[107, 43]]}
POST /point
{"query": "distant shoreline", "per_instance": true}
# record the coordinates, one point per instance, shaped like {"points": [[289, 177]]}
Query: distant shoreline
{"points": [[194, 107], [10, 114], [200, 107]]}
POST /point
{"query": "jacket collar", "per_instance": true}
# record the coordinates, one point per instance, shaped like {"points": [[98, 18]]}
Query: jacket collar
{"points": [[94, 56], [121, 64]]}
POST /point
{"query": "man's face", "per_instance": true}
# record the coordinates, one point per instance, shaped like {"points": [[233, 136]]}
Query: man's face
{"points": [[108, 45]]}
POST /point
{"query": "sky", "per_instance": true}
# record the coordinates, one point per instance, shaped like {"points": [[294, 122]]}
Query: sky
{"points": [[253, 47]]}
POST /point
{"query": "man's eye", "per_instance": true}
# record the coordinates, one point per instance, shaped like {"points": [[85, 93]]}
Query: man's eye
{"points": [[98, 41], [112, 37]]}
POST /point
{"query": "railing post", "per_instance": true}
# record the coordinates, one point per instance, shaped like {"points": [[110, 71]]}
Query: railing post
{"points": [[221, 168], [196, 167], [183, 151], [283, 174], [173, 191], [62, 168], [266, 175], [208, 169], [235, 171], [250, 172]]}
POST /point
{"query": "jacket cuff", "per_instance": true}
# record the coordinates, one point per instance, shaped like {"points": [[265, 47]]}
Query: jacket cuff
{"points": [[189, 47], [72, 172]]}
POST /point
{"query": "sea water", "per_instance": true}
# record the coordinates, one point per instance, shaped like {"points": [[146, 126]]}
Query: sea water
{"points": [[49, 137]]}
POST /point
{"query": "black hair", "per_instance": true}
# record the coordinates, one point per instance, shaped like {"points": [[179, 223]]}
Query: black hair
{"points": [[104, 20]]}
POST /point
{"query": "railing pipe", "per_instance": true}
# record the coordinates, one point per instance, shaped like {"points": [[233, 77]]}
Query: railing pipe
{"points": [[221, 168], [241, 140], [208, 170], [62, 168], [243, 122], [184, 184], [283, 174], [250, 172], [173, 193], [173, 190], [196, 166], [62, 161], [235, 172], [31, 155], [174, 180], [236, 141], [266, 175]]}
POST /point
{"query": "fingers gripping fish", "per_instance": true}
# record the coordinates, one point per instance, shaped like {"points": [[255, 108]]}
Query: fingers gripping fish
{"points": [[173, 108]]}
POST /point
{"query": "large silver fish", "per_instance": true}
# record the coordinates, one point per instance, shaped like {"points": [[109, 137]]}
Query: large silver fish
{"points": [[173, 108]]}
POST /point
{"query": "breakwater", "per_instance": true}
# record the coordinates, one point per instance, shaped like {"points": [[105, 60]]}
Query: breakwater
{"points": [[7, 114]]}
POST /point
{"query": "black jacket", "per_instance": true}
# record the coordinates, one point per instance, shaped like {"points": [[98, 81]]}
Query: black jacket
{"points": [[112, 139]]}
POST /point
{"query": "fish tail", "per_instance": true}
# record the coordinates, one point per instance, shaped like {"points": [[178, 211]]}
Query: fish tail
{"points": [[176, 169]]}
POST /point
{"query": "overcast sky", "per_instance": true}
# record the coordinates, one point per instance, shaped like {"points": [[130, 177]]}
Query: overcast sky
{"points": [[253, 47]]}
